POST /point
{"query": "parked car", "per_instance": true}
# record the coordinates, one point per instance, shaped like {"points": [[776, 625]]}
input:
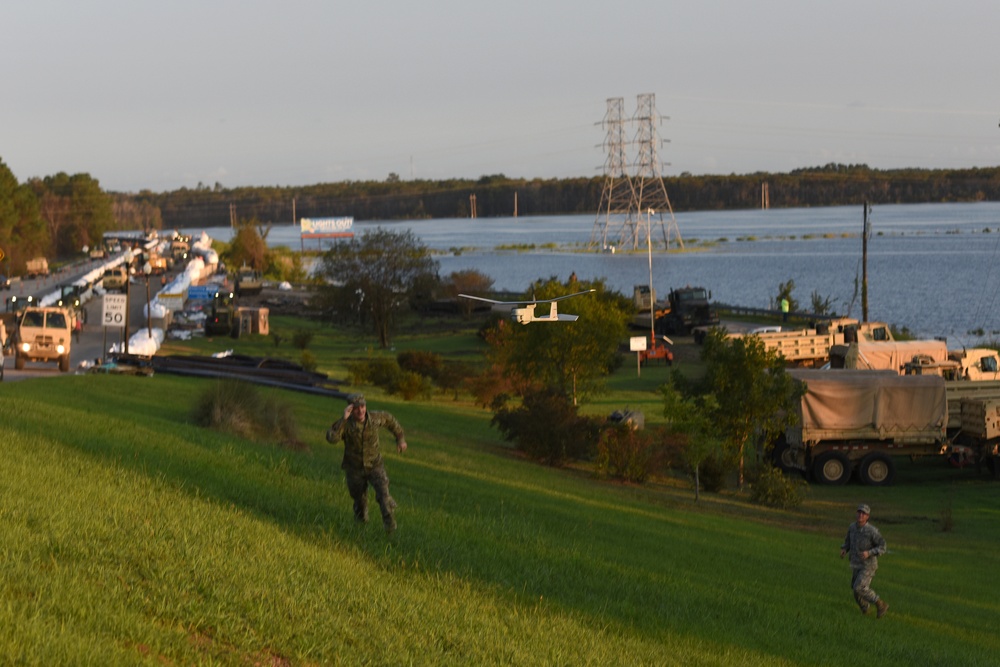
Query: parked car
{"points": [[4, 282]]}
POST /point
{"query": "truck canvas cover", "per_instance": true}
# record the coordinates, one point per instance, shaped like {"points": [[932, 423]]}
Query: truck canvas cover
{"points": [[893, 355], [856, 404]]}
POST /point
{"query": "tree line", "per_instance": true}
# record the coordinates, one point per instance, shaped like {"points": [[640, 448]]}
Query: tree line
{"points": [[500, 196], [56, 216]]}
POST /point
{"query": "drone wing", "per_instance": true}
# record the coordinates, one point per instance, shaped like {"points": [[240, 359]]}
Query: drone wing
{"points": [[525, 302]]}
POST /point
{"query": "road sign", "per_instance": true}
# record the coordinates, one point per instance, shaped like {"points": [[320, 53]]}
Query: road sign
{"points": [[113, 312], [1, 254], [200, 292]]}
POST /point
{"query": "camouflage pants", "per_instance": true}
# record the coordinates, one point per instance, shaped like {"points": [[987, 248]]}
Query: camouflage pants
{"points": [[861, 581], [358, 480]]}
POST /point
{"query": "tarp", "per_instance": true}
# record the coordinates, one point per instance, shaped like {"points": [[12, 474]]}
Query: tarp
{"points": [[878, 404], [893, 355]]}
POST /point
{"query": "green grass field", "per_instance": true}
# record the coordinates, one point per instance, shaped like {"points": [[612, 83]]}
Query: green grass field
{"points": [[131, 536]]}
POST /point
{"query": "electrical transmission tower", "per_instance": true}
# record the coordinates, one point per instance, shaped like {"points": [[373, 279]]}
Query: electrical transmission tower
{"points": [[630, 200], [617, 207], [651, 192]]}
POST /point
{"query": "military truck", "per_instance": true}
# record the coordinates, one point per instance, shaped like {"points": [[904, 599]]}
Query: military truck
{"points": [[43, 334], [689, 307], [115, 279], [221, 319], [975, 365], [248, 281], [853, 422], [39, 266], [180, 246], [810, 348], [888, 355]]}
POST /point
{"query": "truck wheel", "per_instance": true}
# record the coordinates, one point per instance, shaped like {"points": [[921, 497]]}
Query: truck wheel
{"points": [[832, 468], [781, 456], [18, 362], [64, 363], [877, 469]]}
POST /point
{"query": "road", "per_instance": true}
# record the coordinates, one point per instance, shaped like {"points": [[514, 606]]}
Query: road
{"points": [[94, 339]]}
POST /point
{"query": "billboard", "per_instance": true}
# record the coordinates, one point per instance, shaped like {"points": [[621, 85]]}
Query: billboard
{"points": [[326, 228]]}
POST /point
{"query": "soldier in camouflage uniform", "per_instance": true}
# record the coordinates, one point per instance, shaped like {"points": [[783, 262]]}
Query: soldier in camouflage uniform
{"points": [[865, 544], [362, 458]]}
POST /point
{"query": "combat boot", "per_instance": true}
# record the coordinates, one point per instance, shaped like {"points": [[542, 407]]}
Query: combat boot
{"points": [[882, 606]]}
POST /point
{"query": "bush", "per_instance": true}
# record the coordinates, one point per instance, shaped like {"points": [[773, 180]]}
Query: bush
{"points": [[379, 372], [301, 339], [713, 472], [632, 456], [547, 427], [308, 361], [238, 408], [411, 385], [425, 363], [772, 487], [453, 376]]}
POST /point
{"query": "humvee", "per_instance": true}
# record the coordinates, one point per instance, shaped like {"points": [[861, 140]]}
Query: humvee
{"points": [[43, 334]]}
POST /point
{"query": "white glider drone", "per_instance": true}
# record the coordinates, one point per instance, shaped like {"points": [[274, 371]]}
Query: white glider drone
{"points": [[523, 312]]}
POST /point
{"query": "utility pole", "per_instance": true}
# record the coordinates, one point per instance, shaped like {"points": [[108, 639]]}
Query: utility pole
{"points": [[864, 262]]}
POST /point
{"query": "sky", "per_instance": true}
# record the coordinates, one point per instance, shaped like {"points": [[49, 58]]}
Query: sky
{"points": [[162, 95]]}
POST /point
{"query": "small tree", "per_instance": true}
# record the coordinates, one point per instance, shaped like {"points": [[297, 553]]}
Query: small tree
{"points": [[755, 396], [248, 246], [821, 306], [785, 292], [376, 274], [467, 281], [693, 418], [573, 358]]}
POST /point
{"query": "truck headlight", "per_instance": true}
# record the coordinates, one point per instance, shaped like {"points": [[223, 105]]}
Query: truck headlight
{"points": [[25, 347], [61, 349]]}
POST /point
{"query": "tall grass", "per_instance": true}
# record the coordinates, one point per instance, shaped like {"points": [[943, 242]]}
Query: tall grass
{"points": [[131, 536]]}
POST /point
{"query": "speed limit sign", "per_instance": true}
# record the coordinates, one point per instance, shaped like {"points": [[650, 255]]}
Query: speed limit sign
{"points": [[113, 312]]}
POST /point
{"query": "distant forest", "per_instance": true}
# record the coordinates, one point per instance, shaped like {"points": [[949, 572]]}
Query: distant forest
{"points": [[57, 216], [497, 195]]}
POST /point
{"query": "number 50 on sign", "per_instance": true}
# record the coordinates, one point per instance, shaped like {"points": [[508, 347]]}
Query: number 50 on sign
{"points": [[113, 312]]}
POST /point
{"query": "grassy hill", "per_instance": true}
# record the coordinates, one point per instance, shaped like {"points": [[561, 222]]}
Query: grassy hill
{"points": [[131, 536]]}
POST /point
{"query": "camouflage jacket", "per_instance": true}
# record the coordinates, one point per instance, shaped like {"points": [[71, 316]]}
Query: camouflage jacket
{"points": [[361, 447], [864, 538]]}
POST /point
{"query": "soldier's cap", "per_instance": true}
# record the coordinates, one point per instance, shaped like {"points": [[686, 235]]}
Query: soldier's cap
{"points": [[864, 508], [356, 399]]}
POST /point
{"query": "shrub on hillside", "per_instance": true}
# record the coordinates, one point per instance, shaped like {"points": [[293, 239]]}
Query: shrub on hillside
{"points": [[423, 362], [301, 339], [238, 408], [546, 427], [632, 455], [308, 361], [453, 376], [380, 372], [770, 486], [412, 385]]}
